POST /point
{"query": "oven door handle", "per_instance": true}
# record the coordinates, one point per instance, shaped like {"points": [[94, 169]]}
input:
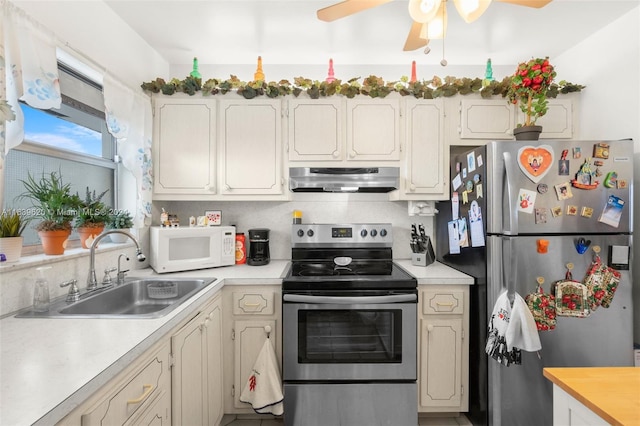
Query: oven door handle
{"points": [[350, 300]]}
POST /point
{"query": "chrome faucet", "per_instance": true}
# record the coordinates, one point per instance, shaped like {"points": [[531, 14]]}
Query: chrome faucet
{"points": [[92, 281], [121, 273]]}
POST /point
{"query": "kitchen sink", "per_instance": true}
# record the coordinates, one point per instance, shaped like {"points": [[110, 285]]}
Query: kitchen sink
{"points": [[136, 298]]}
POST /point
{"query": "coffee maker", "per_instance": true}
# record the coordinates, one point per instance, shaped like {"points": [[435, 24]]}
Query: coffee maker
{"points": [[258, 247]]}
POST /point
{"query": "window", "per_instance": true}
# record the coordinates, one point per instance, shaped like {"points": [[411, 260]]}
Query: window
{"points": [[72, 140]]}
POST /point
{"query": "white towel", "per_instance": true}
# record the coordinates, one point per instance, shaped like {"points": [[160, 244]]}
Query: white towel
{"points": [[522, 332], [264, 387]]}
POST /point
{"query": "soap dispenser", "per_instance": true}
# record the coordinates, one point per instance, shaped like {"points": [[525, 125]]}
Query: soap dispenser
{"points": [[41, 291]]}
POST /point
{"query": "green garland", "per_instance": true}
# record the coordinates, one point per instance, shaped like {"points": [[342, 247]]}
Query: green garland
{"points": [[371, 86]]}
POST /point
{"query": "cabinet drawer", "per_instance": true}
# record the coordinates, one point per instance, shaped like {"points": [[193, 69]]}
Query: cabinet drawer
{"points": [[135, 395], [260, 303], [442, 302]]}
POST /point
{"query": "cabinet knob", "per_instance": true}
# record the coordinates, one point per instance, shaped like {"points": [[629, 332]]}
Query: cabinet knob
{"points": [[267, 329], [336, 154], [227, 187], [207, 187], [352, 154], [430, 328], [412, 187]]}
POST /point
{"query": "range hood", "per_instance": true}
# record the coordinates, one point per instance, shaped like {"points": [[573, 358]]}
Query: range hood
{"points": [[335, 179]]}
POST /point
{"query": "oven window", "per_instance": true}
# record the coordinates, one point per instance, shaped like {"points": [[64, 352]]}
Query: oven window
{"points": [[349, 336]]}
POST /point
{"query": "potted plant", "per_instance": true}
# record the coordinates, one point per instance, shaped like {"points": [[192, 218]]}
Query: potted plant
{"points": [[121, 219], [529, 85], [53, 203], [11, 227], [92, 217]]}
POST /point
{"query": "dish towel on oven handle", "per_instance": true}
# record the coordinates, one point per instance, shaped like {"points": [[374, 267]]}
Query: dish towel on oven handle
{"points": [[263, 389]]}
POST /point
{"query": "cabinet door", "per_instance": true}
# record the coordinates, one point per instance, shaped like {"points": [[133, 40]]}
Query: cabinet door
{"points": [[213, 335], [251, 147], [189, 377], [486, 119], [427, 157], [184, 146], [441, 362], [316, 129], [197, 373], [373, 129], [557, 123], [249, 338]]}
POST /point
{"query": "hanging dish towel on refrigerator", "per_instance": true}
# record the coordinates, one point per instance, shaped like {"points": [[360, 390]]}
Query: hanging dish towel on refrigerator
{"points": [[522, 332], [264, 387]]}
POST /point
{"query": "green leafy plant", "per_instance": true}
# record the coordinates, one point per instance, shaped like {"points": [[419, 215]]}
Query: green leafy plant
{"points": [[51, 200], [92, 212], [372, 86], [121, 219], [11, 224], [529, 86]]}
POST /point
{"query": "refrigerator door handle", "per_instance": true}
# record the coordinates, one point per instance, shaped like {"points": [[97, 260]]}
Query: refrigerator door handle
{"points": [[512, 211]]}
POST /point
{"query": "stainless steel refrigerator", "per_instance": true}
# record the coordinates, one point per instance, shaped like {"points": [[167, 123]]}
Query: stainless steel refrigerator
{"points": [[509, 197]]}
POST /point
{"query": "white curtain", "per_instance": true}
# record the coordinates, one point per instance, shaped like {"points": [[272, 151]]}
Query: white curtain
{"points": [[129, 120]]}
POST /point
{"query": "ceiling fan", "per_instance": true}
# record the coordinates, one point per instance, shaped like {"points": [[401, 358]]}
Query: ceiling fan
{"points": [[429, 16]]}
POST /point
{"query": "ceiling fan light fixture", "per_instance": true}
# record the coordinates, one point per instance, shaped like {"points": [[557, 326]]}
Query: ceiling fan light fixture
{"points": [[437, 27], [424, 10], [470, 10]]}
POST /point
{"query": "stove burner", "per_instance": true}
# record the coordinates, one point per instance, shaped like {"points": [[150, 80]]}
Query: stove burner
{"points": [[329, 270]]}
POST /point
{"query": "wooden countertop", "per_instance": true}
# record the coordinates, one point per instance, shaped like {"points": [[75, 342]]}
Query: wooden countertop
{"points": [[613, 393]]}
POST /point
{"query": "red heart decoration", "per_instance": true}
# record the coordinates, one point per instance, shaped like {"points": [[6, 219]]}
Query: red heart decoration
{"points": [[535, 162]]}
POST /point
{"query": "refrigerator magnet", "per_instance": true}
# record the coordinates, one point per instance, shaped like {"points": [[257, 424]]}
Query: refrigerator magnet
{"points": [[577, 153], [612, 211], [526, 200], [542, 188], [586, 212], [479, 193], [601, 150], [563, 167], [456, 182], [621, 184], [572, 210], [563, 191], [454, 237], [471, 162], [535, 162], [541, 215], [556, 211]]}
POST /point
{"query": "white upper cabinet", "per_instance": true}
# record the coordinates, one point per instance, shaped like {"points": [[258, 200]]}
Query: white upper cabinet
{"points": [[184, 146], [373, 129], [486, 119], [250, 147], [424, 175], [557, 123], [316, 129]]}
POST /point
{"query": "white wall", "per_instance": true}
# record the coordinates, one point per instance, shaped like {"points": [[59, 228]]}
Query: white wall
{"points": [[608, 63]]}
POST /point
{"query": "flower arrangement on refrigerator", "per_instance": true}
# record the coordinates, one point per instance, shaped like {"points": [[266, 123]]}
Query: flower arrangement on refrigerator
{"points": [[529, 86]]}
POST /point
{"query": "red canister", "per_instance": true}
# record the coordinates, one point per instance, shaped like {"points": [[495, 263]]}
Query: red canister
{"points": [[241, 249]]}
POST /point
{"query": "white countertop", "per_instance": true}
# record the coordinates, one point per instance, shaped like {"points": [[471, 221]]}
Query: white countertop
{"points": [[49, 366]]}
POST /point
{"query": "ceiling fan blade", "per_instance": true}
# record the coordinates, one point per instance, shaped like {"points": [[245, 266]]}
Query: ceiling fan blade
{"points": [[346, 8], [529, 3], [413, 39]]}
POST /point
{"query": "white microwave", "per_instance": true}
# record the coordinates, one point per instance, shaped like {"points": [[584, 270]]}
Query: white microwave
{"points": [[185, 249]]}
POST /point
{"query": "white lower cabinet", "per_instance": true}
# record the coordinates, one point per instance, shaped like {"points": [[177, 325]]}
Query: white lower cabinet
{"points": [[569, 411], [139, 395], [443, 354], [197, 370], [253, 317]]}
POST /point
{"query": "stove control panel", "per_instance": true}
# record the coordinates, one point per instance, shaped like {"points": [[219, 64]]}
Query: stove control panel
{"points": [[358, 234]]}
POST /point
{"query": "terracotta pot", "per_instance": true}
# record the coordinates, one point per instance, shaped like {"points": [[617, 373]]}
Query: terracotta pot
{"points": [[88, 234], [54, 242], [527, 133], [11, 247]]}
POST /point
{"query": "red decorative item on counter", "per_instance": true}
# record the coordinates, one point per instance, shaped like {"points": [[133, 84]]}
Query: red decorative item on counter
{"points": [[241, 249]]}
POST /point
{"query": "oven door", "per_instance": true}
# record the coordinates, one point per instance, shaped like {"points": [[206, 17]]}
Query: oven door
{"points": [[352, 338]]}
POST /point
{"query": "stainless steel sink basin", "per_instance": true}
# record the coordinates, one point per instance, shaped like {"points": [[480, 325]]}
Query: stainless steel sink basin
{"points": [[136, 298]]}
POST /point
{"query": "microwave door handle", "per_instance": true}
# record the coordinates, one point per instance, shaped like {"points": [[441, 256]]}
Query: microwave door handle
{"points": [[512, 210], [349, 300]]}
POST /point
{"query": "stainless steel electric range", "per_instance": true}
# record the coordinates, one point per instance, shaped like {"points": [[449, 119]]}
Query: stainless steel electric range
{"points": [[349, 327]]}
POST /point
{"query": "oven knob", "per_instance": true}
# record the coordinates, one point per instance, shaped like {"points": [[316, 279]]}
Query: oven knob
{"points": [[300, 233], [310, 232], [363, 233], [374, 232], [383, 232]]}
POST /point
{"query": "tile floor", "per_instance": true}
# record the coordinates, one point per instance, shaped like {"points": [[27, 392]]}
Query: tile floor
{"points": [[422, 421]]}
